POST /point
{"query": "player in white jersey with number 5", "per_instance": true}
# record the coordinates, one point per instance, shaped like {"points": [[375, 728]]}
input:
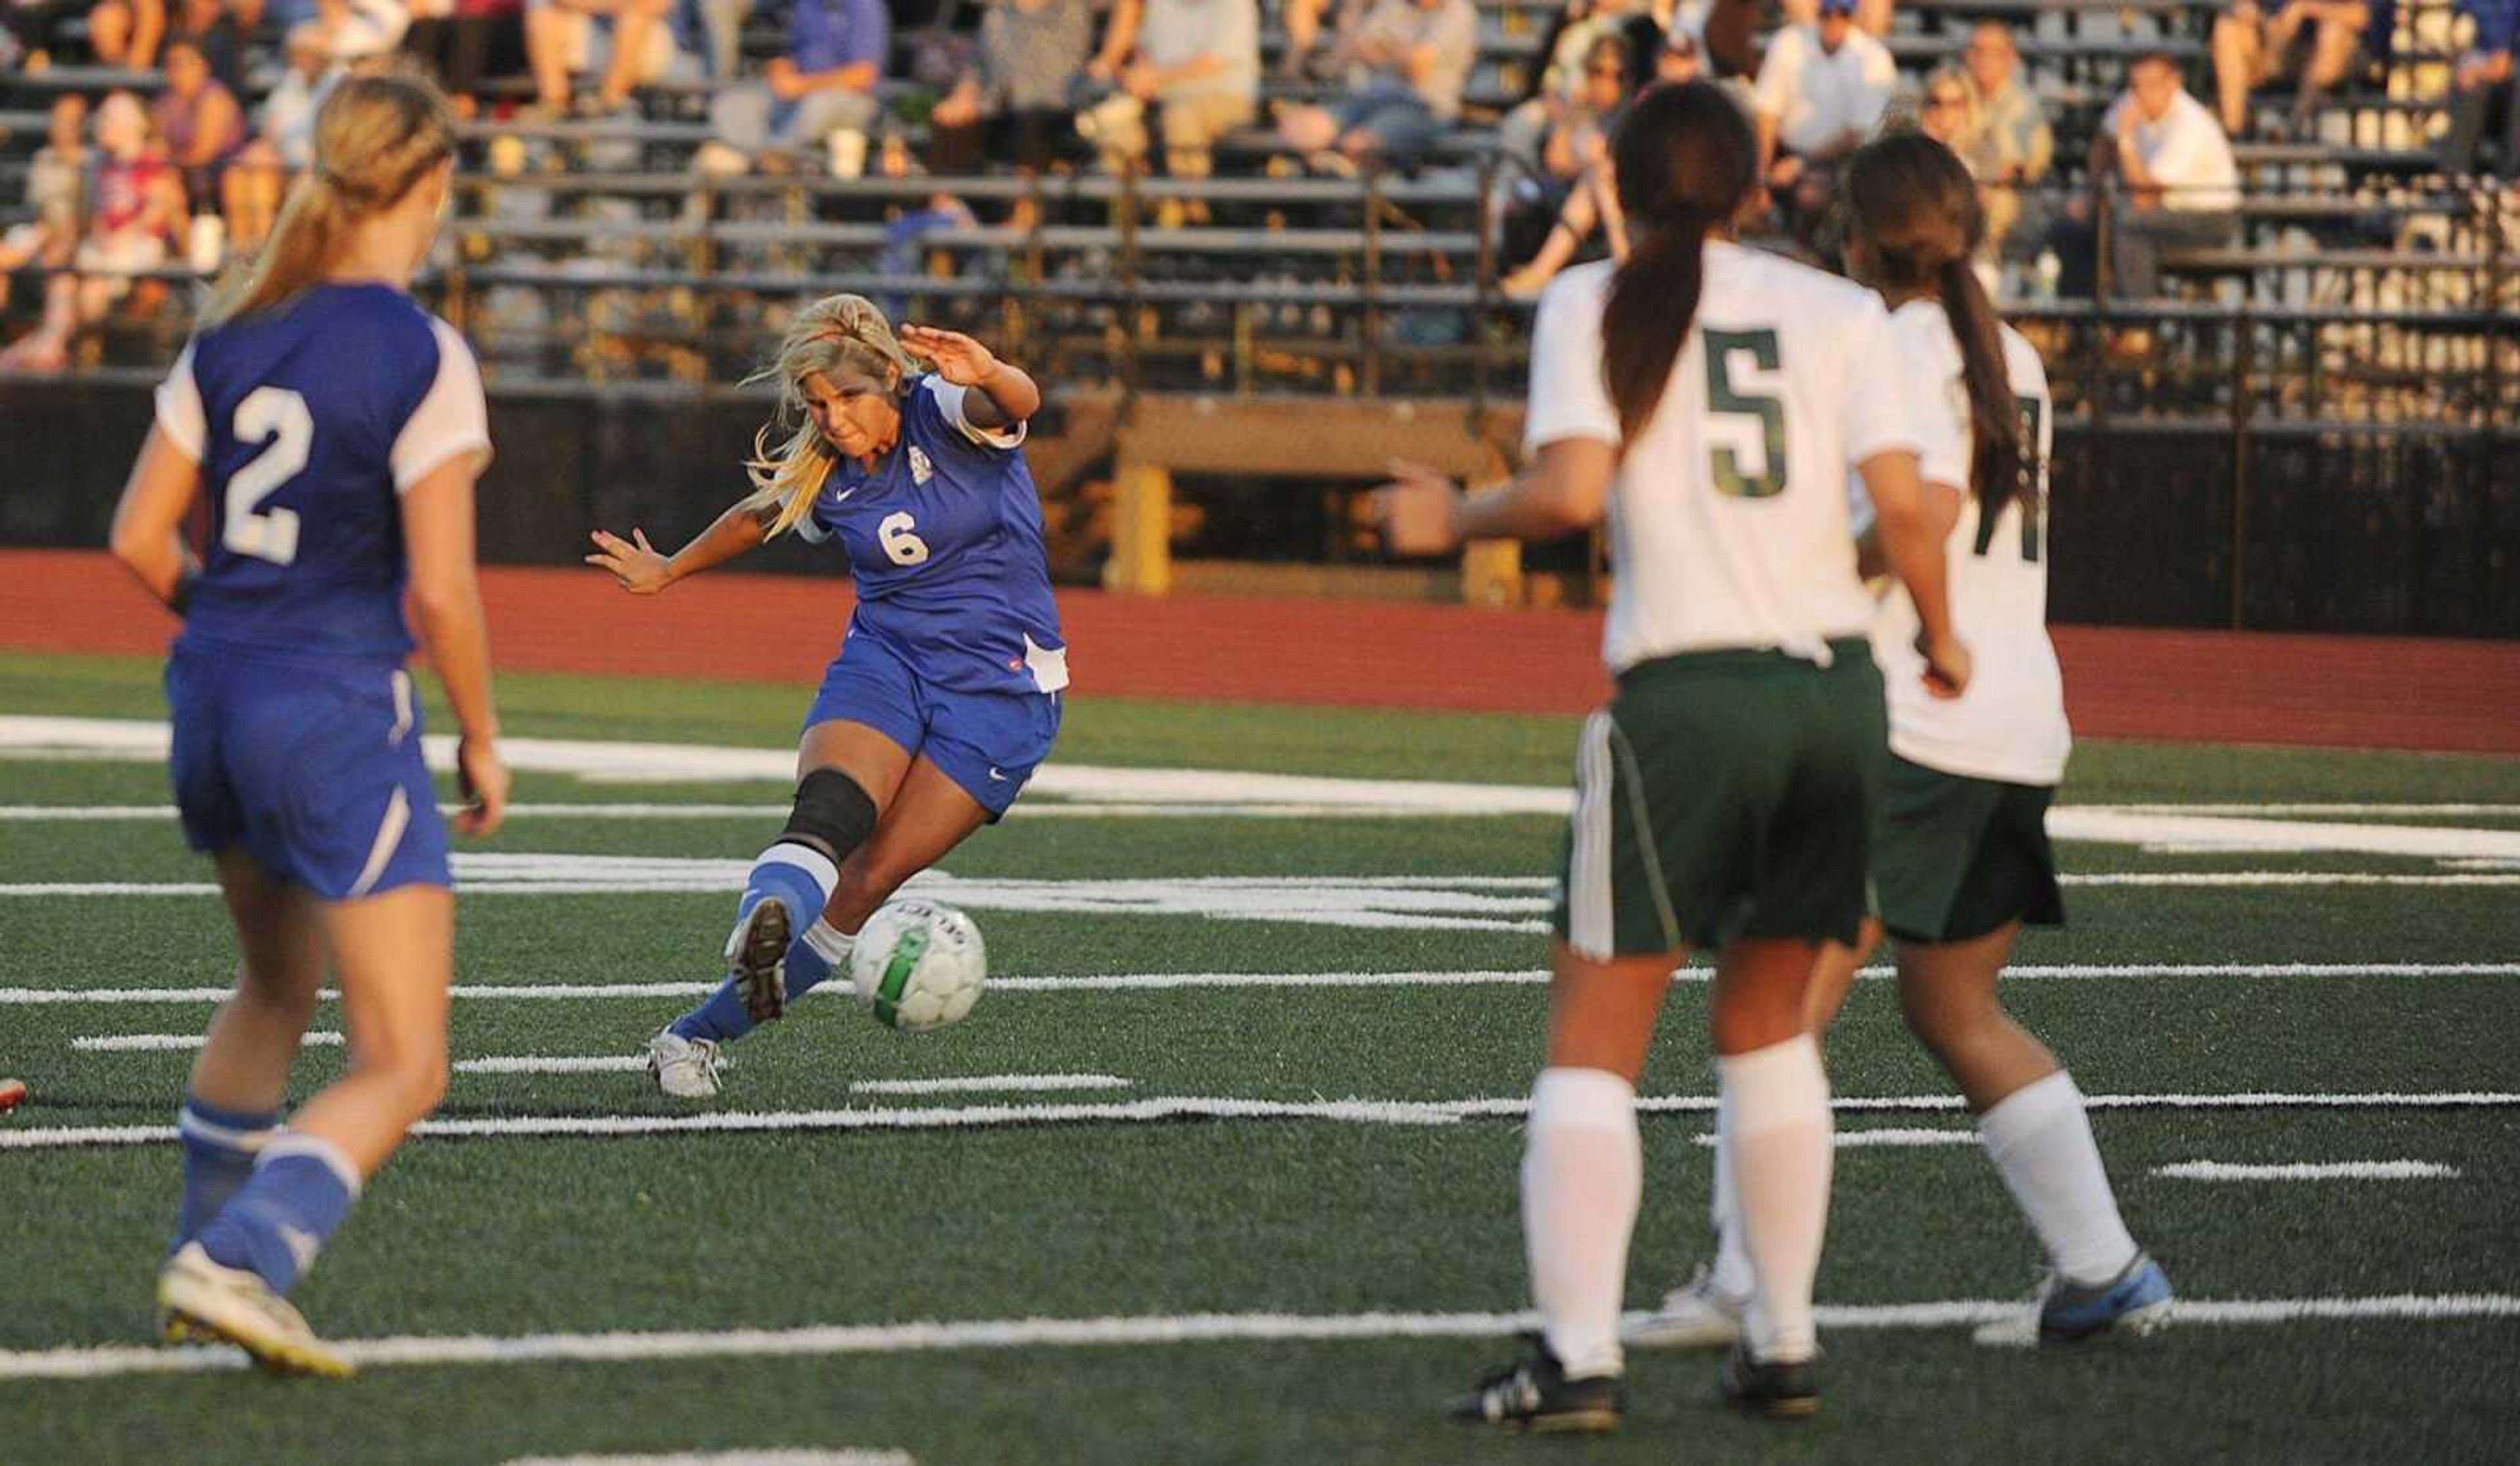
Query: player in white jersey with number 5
{"points": [[1711, 399], [1963, 862]]}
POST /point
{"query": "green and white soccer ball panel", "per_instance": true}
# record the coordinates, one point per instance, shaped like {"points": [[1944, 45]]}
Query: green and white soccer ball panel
{"points": [[919, 965]]}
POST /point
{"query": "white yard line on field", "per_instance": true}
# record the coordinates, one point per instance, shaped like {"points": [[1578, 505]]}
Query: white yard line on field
{"points": [[1897, 1136], [2310, 1170], [1145, 1330], [773, 1457], [535, 1063], [1499, 904], [1175, 1108], [1155, 982], [145, 741], [180, 1042], [989, 1084]]}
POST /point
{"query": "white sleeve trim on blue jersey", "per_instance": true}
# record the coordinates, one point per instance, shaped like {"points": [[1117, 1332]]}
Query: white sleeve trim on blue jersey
{"points": [[950, 398], [451, 420], [180, 417]]}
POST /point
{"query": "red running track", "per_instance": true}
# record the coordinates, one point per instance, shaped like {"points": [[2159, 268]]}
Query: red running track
{"points": [[2217, 687]]}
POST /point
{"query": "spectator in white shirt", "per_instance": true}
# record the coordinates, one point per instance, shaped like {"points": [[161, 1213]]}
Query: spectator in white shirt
{"points": [[1194, 63], [2178, 182], [1822, 91]]}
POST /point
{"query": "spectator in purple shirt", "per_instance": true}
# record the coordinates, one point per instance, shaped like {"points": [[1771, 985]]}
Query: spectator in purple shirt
{"points": [[2483, 78], [824, 85]]}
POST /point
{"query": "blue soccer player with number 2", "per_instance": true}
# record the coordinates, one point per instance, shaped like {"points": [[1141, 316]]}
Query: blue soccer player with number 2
{"points": [[945, 697]]}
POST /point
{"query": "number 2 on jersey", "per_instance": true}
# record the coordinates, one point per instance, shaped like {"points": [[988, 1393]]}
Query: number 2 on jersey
{"points": [[1722, 399], [279, 417]]}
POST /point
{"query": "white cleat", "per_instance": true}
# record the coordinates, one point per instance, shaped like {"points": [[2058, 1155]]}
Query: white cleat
{"points": [[1696, 1316], [198, 1300], [683, 1068]]}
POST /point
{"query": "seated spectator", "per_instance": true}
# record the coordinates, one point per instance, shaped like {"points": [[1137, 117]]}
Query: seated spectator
{"points": [[135, 215], [466, 43], [2481, 82], [56, 178], [1194, 63], [1557, 92], [1015, 98], [1407, 65], [197, 120], [2319, 42], [250, 192], [216, 34], [1820, 92], [629, 42], [2010, 136], [126, 32], [820, 85], [2177, 181], [1679, 58]]}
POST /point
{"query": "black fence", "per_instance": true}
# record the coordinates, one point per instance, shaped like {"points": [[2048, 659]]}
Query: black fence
{"points": [[2279, 526]]}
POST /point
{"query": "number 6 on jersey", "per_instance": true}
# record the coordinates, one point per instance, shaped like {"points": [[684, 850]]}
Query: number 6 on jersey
{"points": [[901, 542]]}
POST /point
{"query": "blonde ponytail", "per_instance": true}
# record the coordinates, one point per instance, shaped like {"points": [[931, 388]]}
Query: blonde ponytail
{"points": [[835, 332], [376, 138]]}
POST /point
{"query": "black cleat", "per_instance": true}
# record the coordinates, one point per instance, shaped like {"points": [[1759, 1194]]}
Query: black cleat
{"points": [[1535, 1395], [1779, 1389], [756, 954]]}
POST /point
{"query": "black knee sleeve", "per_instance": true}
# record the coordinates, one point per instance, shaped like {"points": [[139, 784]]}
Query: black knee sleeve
{"points": [[833, 815]]}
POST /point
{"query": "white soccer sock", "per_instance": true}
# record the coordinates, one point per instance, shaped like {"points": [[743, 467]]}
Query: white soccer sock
{"points": [[2040, 1141], [1583, 1174], [830, 942], [1779, 1096], [1732, 1276]]}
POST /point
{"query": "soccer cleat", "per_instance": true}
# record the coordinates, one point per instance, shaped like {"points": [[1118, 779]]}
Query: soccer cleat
{"points": [[200, 1300], [1696, 1316], [683, 1068], [2137, 1302], [1777, 1389], [756, 954], [1535, 1395]]}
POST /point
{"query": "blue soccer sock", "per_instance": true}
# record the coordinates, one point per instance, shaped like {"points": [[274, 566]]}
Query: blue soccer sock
{"points": [[219, 1148], [811, 958], [799, 876], [302, 1189]]}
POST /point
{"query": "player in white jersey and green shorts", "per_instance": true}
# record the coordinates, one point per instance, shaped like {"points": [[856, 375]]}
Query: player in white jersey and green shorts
{"points": [[1711, 400], [1962, 861]]}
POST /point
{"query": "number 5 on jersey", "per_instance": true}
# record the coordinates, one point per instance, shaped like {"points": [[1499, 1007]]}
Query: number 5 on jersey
{"points": [[899, 535], [278, 418], [1727, 400]]}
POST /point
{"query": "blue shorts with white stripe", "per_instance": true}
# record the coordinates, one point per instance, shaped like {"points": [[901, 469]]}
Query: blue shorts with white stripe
{"points": [[311, 764]]}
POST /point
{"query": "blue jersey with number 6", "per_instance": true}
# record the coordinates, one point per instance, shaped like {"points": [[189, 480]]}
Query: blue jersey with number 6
{"points": [[944, 538], [309, 422]]}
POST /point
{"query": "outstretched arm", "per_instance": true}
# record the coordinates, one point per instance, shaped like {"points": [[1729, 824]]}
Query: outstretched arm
{"points": [[1561, 491], [1000, 395], [643, 570]]}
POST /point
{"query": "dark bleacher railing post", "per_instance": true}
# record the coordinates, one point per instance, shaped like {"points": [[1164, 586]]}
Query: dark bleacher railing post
{"points": [[1483, 294], [2243, 405], [2494, 200], [1130, 306], [1372, 293]]}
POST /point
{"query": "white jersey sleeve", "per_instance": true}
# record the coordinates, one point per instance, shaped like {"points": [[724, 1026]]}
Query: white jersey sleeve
{"points": [[954, 401], [1937, 390], [1569, 398], [451, 420], [1888, 404], [179, 408]]}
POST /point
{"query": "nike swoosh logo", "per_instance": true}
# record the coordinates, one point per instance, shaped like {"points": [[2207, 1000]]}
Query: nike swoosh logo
{"points": [[999, 777], [844, 494]]}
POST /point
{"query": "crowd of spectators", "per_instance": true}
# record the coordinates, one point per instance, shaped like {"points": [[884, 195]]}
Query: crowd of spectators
{"points": [[195, 164]]}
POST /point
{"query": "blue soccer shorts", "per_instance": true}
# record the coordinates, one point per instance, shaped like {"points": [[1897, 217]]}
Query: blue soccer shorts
{"points": [[312, 766], [988, 743]]}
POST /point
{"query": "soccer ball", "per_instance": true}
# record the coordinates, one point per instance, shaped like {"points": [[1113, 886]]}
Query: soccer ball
{"points": [[919, 965]]}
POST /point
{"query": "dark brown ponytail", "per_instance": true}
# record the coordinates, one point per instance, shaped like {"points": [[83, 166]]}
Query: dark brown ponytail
{"points": [[1916, 211], [1685, 159]]}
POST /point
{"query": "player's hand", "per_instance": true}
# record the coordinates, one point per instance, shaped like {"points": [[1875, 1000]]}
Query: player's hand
{"points": [[1947, 665], [484, 780], [958, 358], [1420, 510], [634, 562]]}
